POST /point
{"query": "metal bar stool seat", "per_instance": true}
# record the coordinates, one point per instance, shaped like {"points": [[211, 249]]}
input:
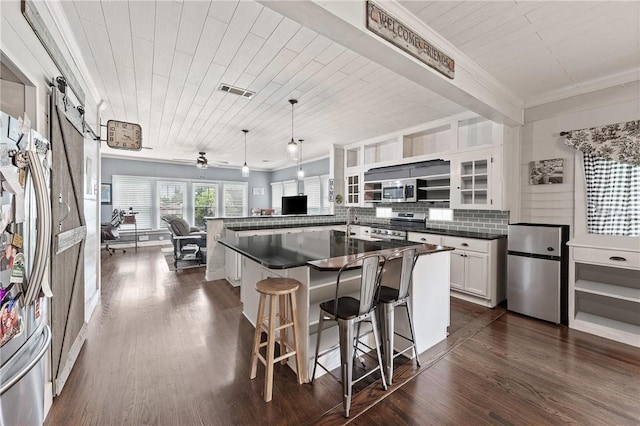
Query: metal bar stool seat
{"points": [[282, 289], [349, 312], [388, 299]]}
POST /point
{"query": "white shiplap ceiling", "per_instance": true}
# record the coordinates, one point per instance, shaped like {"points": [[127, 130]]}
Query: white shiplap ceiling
{"points": [[160, 64]]}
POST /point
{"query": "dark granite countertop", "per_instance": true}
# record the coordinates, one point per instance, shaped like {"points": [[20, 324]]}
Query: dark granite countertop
{"points": [[288, 225], [449, 232], [285, 251]]}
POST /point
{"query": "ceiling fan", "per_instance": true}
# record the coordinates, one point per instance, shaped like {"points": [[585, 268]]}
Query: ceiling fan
{"points": [[201, 161]]}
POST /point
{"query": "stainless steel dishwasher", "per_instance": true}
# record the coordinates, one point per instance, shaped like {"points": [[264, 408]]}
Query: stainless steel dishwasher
{"points": [[537, 271]]}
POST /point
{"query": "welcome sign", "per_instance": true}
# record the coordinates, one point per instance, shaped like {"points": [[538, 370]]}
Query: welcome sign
{"points": [[397, 33]]}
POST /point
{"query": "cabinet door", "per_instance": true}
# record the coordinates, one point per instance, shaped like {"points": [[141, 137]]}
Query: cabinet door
{"points": [[352, 190], [471, 181], [418, 237], [476, 273], [457, 270]]}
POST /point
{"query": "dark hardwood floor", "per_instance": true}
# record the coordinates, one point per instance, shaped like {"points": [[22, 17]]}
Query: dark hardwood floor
{"points": [[169, 348]]}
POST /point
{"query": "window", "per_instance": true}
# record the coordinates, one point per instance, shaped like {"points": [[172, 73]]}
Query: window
{"points": [[171, 199], [234, 199], [135, 193], [205, 200]]}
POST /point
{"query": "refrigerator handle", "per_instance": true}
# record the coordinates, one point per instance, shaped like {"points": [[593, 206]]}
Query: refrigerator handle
{"points": [[43, 246], [32, 363]]}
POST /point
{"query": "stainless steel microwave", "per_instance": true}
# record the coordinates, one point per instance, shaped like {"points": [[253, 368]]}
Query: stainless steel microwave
{"points": [[399, 191]]}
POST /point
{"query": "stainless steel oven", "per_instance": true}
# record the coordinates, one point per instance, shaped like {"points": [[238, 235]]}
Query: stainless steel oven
{"points": [[399, 191]]}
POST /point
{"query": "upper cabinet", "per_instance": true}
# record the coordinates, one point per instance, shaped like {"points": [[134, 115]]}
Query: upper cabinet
{"points": [[473, 146]]}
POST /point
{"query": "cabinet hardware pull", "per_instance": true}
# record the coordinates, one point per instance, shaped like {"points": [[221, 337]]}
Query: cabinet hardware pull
{"points": [[423, 239], [464, 245], [618, 259], [550, 249]]}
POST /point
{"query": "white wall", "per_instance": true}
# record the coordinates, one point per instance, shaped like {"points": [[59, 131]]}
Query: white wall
{"points": [[541, 140]]}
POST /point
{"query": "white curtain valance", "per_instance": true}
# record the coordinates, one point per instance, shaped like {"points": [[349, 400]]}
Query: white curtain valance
{"points": [[619, 142]]}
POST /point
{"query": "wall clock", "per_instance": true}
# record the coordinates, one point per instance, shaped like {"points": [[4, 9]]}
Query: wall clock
{"points": [[123, 135]]}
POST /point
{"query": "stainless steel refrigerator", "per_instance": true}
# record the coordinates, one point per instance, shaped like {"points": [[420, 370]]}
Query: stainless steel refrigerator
{"points": [[537, 271], [25, 241]]}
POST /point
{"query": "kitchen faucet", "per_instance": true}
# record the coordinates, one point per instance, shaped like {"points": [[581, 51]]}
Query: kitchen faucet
{"points": [[349, 210]]}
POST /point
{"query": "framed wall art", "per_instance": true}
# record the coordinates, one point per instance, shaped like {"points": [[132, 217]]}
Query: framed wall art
{"points": [[105, 193], [546, 171]]}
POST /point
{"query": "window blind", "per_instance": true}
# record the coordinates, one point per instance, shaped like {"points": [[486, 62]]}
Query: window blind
{"points": [[235, 199], [135, 192], [312, 191], [276, 196], [290, 188], [324, 194]]}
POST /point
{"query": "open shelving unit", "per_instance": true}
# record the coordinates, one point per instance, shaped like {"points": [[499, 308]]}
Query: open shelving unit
{"points": [[436, 188], [604, 296]]}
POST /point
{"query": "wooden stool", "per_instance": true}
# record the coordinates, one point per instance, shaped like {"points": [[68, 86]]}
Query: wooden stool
{"points": [[284, 288]]}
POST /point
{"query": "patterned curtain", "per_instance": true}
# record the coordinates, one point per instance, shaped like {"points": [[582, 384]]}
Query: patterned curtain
{"points": [[619, 142], [613, 197], [612, 174]]}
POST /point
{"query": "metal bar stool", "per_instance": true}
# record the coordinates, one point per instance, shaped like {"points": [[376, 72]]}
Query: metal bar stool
{"points": [[388, 299], [348, 311], [277, 289]]}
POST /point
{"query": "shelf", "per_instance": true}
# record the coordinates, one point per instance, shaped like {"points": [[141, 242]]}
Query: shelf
{"points": [[436, 177], [434, 188], [608, 290], [590, 319]]}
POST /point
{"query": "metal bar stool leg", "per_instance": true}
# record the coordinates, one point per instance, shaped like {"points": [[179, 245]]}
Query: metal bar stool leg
{"points": [[345, 328], [388, 324], [319, 334], [413, 332], [377, 341]]}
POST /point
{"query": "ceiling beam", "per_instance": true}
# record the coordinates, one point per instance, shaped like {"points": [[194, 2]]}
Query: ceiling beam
{"points": [[345, 23]]}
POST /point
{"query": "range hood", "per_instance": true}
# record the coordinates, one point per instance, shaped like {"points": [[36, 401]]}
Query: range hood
{"points": [[410, 170]]}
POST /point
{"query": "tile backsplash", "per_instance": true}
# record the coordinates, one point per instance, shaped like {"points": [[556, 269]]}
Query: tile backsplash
{"points": [[493, 221]]}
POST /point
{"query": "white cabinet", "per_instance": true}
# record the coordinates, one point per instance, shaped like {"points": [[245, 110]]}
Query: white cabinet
{"points": [[469, 272], [477, 269], [476, 180], [419, 237], [604, 287], [477, 266]]}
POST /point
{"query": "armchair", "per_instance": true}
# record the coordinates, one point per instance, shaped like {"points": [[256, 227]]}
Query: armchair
{"points": [[189, 243]]}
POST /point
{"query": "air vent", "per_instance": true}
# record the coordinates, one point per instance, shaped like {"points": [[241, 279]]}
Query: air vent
{"points": [[237, 91]]}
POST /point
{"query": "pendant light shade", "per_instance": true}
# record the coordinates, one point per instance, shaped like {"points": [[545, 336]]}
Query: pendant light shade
{"points": [[292, 147], [245, 168], [300, 171]]}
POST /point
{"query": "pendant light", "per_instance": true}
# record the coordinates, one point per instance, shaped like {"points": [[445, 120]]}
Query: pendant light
{"points": [[300, 171], [292, 147], [245, 168]]}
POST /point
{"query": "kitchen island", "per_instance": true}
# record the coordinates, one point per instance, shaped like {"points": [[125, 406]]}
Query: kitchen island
{"points": [[313, 258]]}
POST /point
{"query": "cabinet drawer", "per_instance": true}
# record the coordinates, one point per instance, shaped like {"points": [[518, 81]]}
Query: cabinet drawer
{"points": [[419, 237], [624, 259], [467, 244]]}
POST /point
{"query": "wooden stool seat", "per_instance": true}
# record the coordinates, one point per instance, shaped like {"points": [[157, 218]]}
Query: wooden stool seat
{"points": [[281, 289], [277, 286]]}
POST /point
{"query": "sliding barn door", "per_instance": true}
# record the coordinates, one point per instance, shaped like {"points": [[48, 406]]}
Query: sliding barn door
{"points": [[69, 230]]}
